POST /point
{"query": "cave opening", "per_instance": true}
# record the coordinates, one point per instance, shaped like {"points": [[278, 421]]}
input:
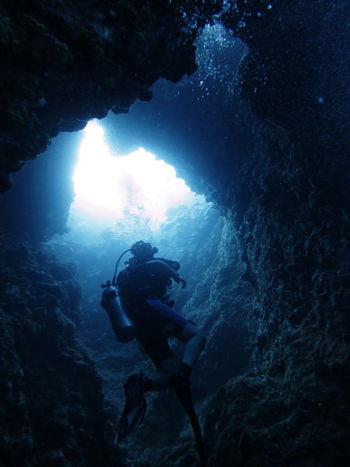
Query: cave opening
{"points": [[260, 130], [193, 231], [111, 188]]}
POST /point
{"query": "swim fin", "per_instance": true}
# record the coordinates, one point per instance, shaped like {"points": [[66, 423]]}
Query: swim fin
{"points": [[134, 408]]}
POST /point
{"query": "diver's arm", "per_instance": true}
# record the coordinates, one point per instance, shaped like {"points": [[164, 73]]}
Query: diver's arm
{"points": [[183, 282], [172, 273]]}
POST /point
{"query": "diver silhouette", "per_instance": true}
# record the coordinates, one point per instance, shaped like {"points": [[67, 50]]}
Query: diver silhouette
{"points": [[145, 312]]}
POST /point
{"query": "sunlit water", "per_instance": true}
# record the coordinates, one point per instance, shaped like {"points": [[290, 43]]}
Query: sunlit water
{"points": [[110, 188]]}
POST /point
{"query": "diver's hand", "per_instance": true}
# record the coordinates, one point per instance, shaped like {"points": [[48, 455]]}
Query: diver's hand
{"points": [[179, 280]]}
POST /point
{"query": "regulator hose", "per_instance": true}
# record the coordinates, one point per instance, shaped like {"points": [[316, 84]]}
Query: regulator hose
{"points": [[116, 266]]}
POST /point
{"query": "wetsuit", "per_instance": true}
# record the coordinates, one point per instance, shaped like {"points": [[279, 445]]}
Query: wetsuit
{"points": [[143, 288]]}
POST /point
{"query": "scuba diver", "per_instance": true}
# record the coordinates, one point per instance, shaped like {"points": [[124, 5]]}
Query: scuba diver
{"points": [[143, 293]]}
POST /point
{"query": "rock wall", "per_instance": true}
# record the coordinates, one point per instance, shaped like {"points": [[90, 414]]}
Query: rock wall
{"points": [[215, 298], [38, 205], [200, 125], [287, 198], [63, 64], [52, 410], [294, 228], [206, 246]]}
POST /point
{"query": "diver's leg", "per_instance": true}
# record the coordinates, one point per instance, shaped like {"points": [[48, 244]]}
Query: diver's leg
{"points": [[158, 349], [157, 381], [160, 379], [179, 327], [194, 343]]}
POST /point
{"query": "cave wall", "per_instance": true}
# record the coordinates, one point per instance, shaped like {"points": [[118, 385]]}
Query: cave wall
{"points": [[293, 220], [46, 417], [63, 64], [206, 246], [289, 197], [198, 125], [37, 207], [216, 297]]}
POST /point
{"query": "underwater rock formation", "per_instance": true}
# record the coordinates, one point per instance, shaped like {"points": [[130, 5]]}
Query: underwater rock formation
{"points": [[39, 205], [64, 64], [204, 243], [293, 218], [52, 411], [215, 298], [286, 202]]}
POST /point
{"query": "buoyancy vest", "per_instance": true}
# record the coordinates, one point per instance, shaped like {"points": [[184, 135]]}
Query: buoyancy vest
{"points": [[150, 279]]}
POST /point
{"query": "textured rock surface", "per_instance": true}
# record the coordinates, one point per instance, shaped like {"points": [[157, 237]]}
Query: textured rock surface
{"points": [[199, 125], [63, 64], [52, 407], [38, 206], [294, 227], [288, 200], [207, 249], [216, 298]]}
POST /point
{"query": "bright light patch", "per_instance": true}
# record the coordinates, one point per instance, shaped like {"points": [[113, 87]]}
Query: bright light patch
{"points": [[110, 187]]}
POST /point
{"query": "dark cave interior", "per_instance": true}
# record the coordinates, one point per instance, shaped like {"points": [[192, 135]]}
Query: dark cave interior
{"points": [[260, 126]]}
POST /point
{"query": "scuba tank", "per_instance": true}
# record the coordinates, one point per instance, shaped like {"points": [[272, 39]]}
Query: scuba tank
{"points": [[122, 325]]}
